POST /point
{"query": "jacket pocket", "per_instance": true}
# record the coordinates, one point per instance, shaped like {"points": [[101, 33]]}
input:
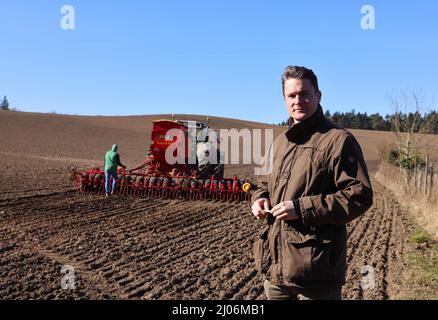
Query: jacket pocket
{"points": [[262, 258], [321, 258], [306, 257]]}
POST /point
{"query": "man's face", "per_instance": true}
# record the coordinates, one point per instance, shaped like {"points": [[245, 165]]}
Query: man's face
{"points": [[301, 98]]}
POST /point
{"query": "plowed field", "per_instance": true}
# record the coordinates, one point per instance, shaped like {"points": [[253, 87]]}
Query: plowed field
{"points": [[164, 249], [138, 248]]}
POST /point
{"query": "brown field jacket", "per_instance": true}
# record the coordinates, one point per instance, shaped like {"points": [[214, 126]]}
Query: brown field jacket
{"points": [[320, 167]]}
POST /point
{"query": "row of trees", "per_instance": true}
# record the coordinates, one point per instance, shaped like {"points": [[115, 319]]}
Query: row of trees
{"points": [[357, 120]]}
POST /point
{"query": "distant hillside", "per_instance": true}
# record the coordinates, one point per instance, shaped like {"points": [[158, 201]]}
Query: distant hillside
{"points": [[46, 136]]}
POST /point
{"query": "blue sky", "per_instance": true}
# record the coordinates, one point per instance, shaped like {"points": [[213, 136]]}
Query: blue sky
{"points": [[222, 58]]}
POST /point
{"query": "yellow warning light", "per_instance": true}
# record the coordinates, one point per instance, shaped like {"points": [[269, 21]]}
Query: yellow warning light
{"points": [[246, 187]]}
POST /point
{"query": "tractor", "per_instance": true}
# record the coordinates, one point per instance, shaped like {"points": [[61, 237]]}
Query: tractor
{"points": [[177, 166]]}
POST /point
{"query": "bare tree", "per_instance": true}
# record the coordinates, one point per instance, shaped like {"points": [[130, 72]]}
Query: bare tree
{"points": [[5, 104], [409, 127]]}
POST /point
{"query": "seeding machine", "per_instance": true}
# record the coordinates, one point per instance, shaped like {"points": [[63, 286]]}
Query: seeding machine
{"points": [[202, 180]]}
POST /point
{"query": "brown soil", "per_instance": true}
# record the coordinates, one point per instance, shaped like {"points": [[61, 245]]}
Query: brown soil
{"points": [[139, 248], [166, 249]]}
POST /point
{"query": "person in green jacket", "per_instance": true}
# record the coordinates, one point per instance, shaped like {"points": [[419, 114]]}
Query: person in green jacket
{"points": [[112, 162]]}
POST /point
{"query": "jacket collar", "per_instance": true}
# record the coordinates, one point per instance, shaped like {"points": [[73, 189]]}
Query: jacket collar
{"points": [[298, 129]]}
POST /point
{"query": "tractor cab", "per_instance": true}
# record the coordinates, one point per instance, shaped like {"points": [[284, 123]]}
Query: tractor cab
{"points": [[166, 133]]}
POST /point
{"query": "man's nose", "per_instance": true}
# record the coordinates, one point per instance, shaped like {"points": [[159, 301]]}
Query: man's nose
{"points": [[299, 99]]}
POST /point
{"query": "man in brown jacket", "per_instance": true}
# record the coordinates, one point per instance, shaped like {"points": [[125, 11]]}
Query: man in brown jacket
{"points": [[317, 183]]}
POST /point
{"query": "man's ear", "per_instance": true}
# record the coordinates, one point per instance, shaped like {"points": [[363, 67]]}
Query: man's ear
{"points": [[319, 94]]}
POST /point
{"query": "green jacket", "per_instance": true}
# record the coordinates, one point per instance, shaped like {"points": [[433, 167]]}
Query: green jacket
{"points": [[112, 159]]}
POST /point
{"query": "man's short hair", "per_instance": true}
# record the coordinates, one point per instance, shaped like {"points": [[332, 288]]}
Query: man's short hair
{"points": [[299, 73]]}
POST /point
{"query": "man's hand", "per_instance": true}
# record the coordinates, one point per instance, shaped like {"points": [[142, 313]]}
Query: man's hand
{"points": [[284, 211], [260, 208]]}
